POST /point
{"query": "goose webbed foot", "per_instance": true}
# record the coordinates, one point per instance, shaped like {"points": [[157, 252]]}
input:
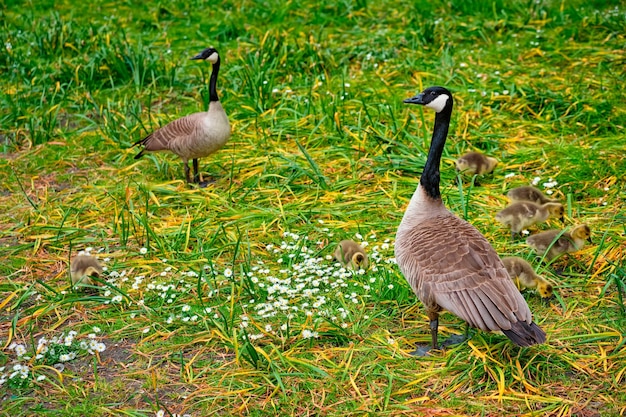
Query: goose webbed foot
{"points": [[421, 351], [455, 339]]}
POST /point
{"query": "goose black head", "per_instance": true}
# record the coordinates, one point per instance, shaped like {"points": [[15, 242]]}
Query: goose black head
{"points": [[437, 98], [209, 54]]}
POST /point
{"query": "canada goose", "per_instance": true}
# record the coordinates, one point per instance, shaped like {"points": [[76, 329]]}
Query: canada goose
{"points": [[553, 243], [522, 214], [524, 276], [351, 255], [448, 263], [475, 163], [529, 193], [82, 268], [196, 135]]}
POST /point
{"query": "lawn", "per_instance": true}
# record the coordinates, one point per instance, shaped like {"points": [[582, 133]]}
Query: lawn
{"points": [[224, 300]]}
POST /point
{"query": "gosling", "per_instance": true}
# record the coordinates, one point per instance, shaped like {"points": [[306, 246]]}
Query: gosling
{"points": [[475, 163], [351, 255], [83, 268], [529, 193], [524, 276], [525, 213], [554, 243]]}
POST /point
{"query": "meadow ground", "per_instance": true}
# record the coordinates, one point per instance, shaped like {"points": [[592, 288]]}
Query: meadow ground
{"points": [[222, 301]]}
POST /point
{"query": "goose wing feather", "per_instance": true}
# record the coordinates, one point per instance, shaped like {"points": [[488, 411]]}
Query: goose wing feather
{"points": [[451, 265], [174, 134]]}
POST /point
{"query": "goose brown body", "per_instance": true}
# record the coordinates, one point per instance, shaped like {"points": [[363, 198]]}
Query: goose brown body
{"points": [[522, 214], [82, 268], [524, 276], [196, 135], [529, 193], [475, 163], [351, 255], [447, 261], [553, 243]]}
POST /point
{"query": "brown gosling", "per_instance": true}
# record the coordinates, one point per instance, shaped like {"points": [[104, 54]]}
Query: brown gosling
{"points": [[447, 261], [351, 255], [196, 135], [83, 268], [522, 214], [524, 276], [475, 163], [554, 243], [529, 193]]}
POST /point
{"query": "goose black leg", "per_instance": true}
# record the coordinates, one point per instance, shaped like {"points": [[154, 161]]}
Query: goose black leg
{"points": [[187, 176], [434, 326], [197, 178]]}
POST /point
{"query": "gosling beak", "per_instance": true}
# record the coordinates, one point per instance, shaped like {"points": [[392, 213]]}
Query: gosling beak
{"points": [[418, 99], [562, 219], [589, 239]]}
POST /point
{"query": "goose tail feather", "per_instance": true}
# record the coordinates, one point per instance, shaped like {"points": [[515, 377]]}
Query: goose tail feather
{"points": [[524, 334]]}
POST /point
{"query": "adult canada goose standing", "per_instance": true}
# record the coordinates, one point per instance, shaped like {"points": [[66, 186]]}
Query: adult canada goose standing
{"points": [[526, 213], [447, 262], [351, 255], [524, 276], [529, 193], [82, 268], [475, 163], [196, 135], [554, 243]]}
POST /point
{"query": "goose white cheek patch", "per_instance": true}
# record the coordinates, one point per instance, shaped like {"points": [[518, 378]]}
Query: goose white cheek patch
{"points": [[439, 103], [212, 58]]}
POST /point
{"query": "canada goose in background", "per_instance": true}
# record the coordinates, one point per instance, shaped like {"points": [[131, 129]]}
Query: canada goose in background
{"points": [[522, 214], [82, 268], [351, 255], [475, 163], [553, 243], [529, 193], [196, 135], [524, 276], [448, 263]]}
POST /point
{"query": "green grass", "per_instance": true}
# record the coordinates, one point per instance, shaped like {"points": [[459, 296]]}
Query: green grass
{"points": [[233, 308]]}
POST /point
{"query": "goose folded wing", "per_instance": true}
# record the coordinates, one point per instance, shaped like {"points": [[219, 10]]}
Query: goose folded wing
{"points": [[174, 133], [468, 279]]}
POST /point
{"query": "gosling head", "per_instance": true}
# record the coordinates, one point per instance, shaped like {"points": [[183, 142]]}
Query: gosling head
{"points": [[92, 272], [437, 98], [544, 289], [582, 232], [556, 210], [209, 54], [360, 261]]}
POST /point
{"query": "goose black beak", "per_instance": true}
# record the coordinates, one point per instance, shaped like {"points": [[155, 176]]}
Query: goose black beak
{"points": [[418, 99], [199, 56]]}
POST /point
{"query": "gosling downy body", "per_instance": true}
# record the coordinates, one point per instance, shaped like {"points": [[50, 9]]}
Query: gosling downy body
{"points": [[529, 193], [522, 214], [447, 261], [196, 135], [83, 268], [475, 163], [524, 276], [351, 255], [554, 243]]}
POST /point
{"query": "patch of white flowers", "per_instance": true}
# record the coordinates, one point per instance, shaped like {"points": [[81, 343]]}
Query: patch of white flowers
{"points": [[52, 352]]}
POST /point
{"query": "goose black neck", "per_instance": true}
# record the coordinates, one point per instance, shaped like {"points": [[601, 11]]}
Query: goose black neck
{"points": [[213, 81], [430, 177]]}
